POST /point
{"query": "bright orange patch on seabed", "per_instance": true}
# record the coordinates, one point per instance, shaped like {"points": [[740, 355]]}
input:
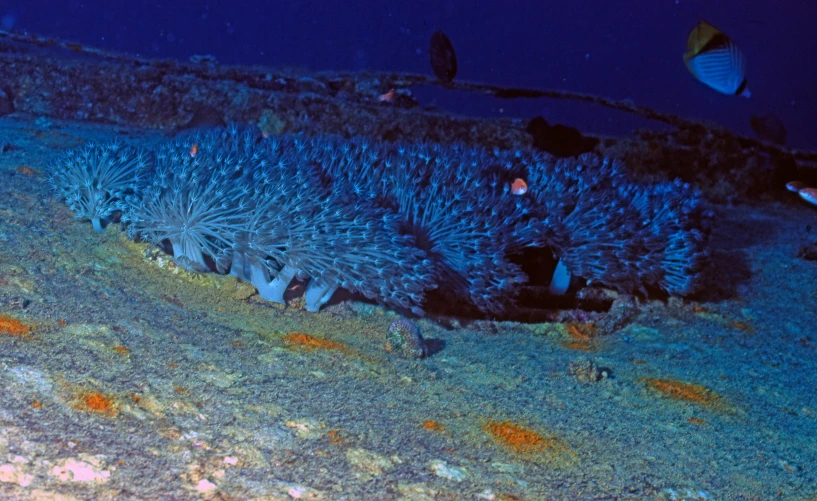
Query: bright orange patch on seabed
{"points": [[121, 350], [688, 392], [10, 325], [97, 402], [431, 425], [582, 335], [522, 440], [28, 171], [308, 342]]}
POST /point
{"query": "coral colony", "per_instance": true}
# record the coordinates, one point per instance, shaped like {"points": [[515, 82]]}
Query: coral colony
{"points": [[390, 221], [91, 180]]}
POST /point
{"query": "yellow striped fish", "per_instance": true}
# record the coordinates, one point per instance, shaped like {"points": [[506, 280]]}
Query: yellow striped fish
{"points": [[716, 61]]}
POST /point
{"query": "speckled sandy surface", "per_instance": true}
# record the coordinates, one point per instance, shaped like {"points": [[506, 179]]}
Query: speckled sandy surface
{"points": [[136, 380]]}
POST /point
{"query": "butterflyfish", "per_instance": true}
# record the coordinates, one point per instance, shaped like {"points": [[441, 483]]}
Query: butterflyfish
{"points": [[716, 60]]}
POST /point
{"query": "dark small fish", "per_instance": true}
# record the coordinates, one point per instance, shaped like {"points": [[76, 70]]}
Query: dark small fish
{"points": [[559, 140], [443, 58], [769, 128]]}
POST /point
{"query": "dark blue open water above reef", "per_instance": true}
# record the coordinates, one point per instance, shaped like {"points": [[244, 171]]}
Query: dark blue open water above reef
{"points": [[619, 50]]}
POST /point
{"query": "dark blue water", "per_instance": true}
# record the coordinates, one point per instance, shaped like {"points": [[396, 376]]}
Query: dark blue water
{"points": [[629, 50]]}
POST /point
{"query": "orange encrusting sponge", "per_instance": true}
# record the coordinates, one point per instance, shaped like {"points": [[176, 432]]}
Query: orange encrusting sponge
{"points": [[12, 326]]}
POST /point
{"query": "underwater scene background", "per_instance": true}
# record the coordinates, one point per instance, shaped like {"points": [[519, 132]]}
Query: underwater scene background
{"points": [[302, 250]]}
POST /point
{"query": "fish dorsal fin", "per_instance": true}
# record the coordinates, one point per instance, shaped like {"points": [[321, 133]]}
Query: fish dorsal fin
{"points": [[700, 36]]}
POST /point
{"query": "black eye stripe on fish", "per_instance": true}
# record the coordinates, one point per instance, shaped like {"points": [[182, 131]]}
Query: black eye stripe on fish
{"points": [[718, 41]]}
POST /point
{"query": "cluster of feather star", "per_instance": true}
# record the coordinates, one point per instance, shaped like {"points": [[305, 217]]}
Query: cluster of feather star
{"points": [[390, 221]]}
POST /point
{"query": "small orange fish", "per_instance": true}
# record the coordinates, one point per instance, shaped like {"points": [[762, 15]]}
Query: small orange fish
{"points": [[388, 96], [519, 186], [194, 150], [809, 195], [795, 186]]}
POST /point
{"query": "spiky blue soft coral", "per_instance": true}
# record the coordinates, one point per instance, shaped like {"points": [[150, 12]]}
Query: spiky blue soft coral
{"points": [[599, 225], [260, 208], [93, 180], [300, 228], [190, 201], [336, 245], [392, 221], [610, 231], [452, 212], [459, 220]]}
